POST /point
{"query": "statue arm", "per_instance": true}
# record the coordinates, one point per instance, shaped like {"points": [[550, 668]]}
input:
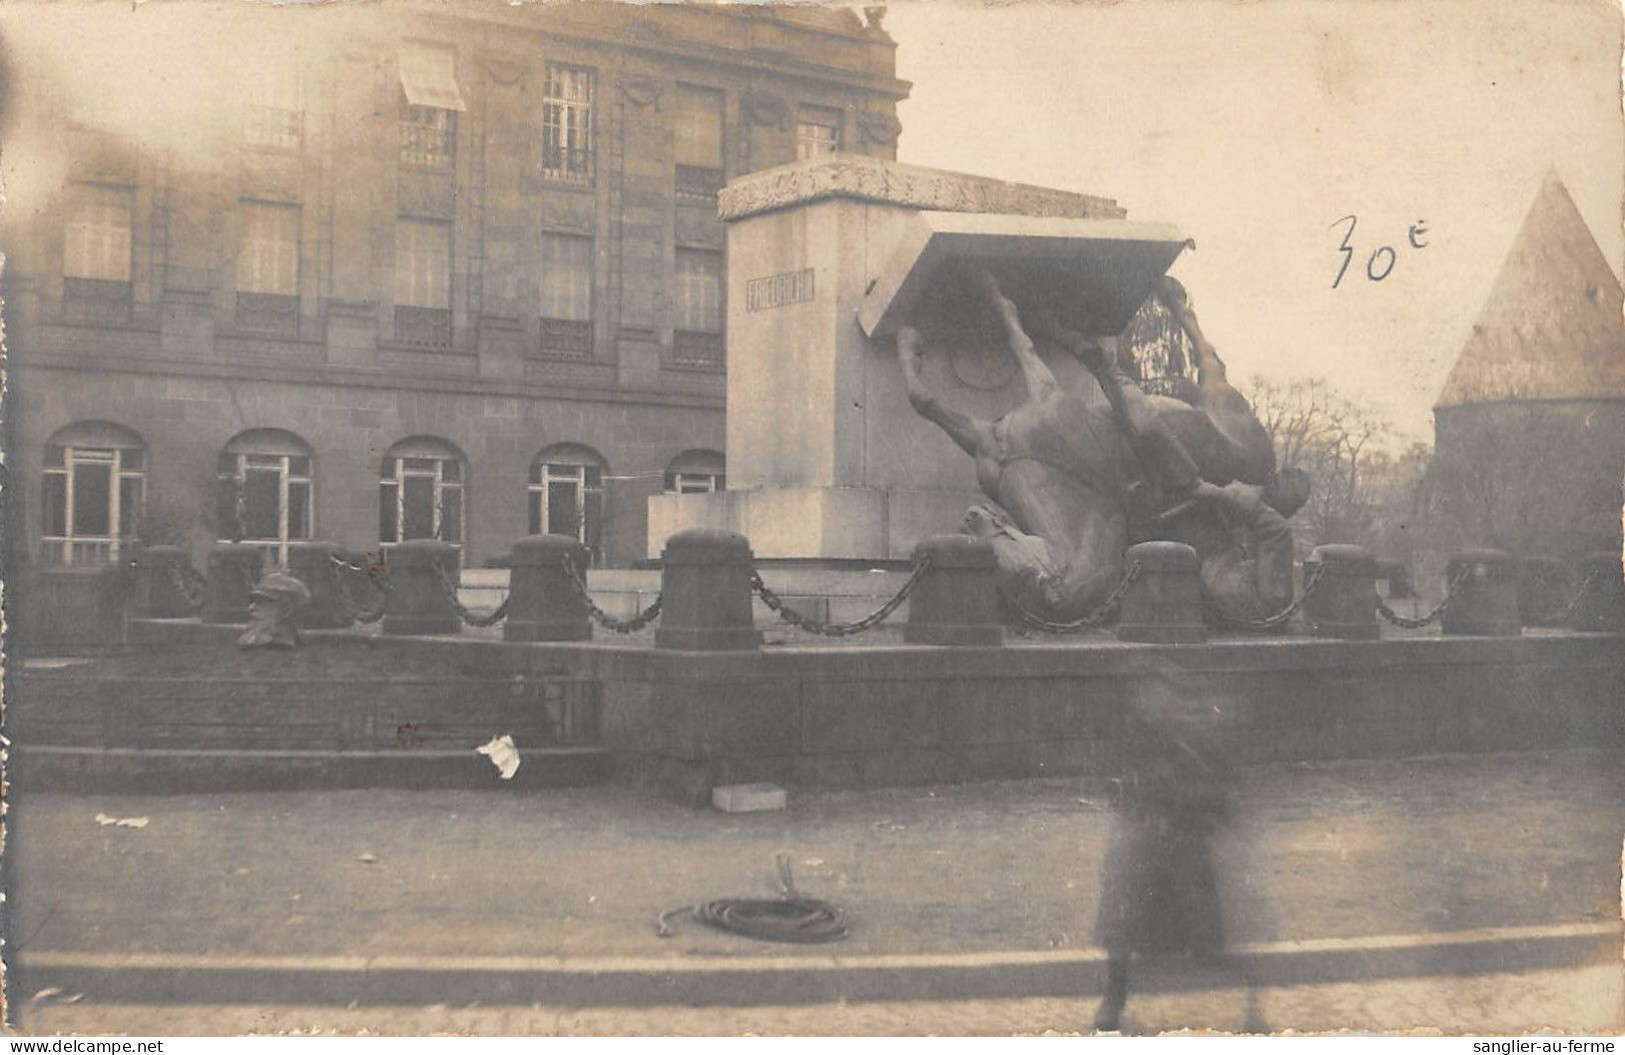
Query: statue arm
{"points": [[974, 436]]}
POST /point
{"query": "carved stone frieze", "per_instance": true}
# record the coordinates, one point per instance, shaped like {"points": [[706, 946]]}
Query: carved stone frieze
{"points": [[765, 110], [879, 128], [641, 92], [888, 182], [505, 71]]}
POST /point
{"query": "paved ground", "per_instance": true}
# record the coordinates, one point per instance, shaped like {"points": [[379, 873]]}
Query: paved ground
{"points": [[1585, 1001], [1356, 853]]}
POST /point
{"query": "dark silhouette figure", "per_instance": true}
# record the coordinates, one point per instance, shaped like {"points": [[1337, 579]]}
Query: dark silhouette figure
{"points": [[1158, 893]]}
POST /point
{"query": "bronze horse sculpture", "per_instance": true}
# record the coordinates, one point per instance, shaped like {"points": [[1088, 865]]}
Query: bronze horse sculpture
{"points": [[1060, 467]]}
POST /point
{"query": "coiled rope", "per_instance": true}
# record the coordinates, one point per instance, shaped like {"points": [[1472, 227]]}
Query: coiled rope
{"points": [[791, 918]]}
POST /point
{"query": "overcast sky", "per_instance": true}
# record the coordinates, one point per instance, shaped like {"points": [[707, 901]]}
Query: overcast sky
{"points": [[1254, 127]]}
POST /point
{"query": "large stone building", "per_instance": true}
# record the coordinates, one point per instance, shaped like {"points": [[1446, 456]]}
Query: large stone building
{"points": [[423, 271], [1530, 426]]}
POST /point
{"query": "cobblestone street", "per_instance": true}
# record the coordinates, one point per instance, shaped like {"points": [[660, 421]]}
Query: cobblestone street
{"points": [[1335, 865]]}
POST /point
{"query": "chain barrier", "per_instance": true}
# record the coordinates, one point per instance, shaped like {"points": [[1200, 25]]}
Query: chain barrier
{"points": [[492, 618], [604, 619], [1434, 616], [814, 626], [1268, 623], [189, 583], [1094, 620], [376, 576]]}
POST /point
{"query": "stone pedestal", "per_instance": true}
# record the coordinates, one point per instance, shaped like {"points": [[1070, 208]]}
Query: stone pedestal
{"points": [[957, 600], [826, 459], [232, 571], [419, 602], [312, 564], [542, 601], [1545, 587], [1344, 602], [1486, 600], [159, 575], [1164, 602], [705, 592], [1601, 608]]}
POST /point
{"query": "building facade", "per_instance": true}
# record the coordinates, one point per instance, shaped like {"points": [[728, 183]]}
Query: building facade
{"points": [[426, 273]]}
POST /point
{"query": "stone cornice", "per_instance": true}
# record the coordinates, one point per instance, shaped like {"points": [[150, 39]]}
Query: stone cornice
{"points": [[889, 183]]}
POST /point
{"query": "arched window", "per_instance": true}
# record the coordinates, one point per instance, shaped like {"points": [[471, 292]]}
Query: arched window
{"points": [[266, 482], [567, 494], [420, 491], [696, 472], [94, 492]]}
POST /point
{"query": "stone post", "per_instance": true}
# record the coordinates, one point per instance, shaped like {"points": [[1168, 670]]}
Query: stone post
{"points": [[705, 592], [542, 601], [1344, 602], [1545, 587], [1486, 602], [956, 602], [158, 592], [419, 602], [1601, 609], [1164, 602], [232, 571], [312, 564]]}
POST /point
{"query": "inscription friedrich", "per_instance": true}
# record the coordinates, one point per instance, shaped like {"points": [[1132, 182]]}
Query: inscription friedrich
{"points": [[775, 291]]}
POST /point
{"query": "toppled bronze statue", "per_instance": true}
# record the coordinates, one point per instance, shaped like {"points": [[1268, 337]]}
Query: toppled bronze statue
{"points": [[272, 606], [1060, 469]]}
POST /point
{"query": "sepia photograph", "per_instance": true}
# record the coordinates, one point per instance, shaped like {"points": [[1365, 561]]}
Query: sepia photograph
{"points": [[922, 519]]}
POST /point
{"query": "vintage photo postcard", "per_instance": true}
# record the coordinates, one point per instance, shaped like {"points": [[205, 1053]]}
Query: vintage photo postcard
{"points": [[927, 518]]}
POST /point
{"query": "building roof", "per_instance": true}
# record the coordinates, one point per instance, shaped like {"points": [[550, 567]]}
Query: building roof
{"points": [[1551, 328]]}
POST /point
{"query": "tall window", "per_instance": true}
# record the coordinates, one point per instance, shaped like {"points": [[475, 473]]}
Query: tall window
{"points": [[698, 322], [697, 124], [818, 132], [567, 142], [430, 101], [567, 265], [265, 491], [423, 283], [268, 268], [696, 472], [567, 495], [420, 492], [96, 254], [271, 92], [94, 490]]}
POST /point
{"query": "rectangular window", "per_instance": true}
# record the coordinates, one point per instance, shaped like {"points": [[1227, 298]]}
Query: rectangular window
{"points": [[271, 94], [268, 261], [699, 291], [567, 271], [430, 101], [567, 264], [97, 243], [423, 263], [567, 139], [818, 132], [697, 126], [93, 498]]}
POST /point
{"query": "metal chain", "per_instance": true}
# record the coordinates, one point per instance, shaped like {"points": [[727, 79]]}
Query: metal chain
{"points": [[1094, 619], [604, 619], [491, 619], [814, 626], [1419, 622], [376, 577], [1270, 622]]}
